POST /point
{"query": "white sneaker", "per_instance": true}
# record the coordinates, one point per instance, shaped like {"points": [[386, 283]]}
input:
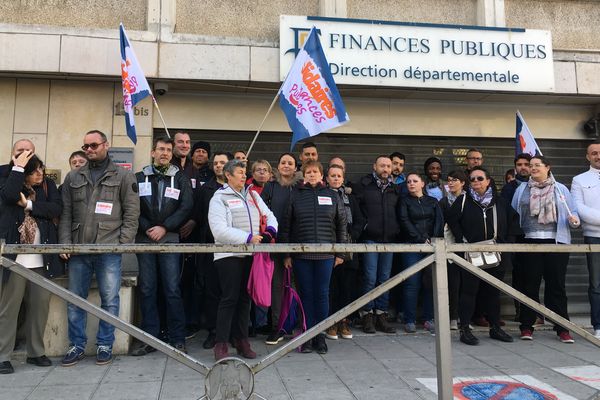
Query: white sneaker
{"points": [[597, 333], [453, 325]]}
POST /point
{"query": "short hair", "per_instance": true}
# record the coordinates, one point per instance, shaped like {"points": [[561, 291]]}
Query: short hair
{"points": [[163, 139], [509, 172], [309, 144], [485, 171], [382, 156], [180, 133], [473, 150], [523, 156], [241, 151], [287, 154], [232, 164], [223, 153], [77, 153], [458, 174], [95, 131], [22, 140], [596, 141], [312, 164], [264, 162], [417, 174], [398, 155]]}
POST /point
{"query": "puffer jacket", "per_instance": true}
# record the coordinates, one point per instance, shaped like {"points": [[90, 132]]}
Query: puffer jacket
{"points": [[80, 223], [314, 215], [234, 218], [380, 210], [173, 212], [420, 219], [45, 209]]}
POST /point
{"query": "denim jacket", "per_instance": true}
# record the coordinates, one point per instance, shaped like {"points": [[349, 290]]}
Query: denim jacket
{"points": [[563, 231]]}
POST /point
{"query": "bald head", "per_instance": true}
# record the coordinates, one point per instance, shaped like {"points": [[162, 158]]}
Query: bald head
{"points": [[22, 145]]}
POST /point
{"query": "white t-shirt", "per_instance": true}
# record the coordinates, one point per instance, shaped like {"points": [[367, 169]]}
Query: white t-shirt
{"points": [[32, 260]]}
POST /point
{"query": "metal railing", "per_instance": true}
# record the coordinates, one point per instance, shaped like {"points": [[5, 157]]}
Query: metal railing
{"points": [[439, 254]]}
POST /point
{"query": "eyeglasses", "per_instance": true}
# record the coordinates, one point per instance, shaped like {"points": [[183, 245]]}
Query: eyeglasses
{"points": [[92, 146], [477, 178], [261, 170], [453, 180]]}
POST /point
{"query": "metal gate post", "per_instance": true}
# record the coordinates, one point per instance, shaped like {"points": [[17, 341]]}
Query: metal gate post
{"points": [[443, 351]]}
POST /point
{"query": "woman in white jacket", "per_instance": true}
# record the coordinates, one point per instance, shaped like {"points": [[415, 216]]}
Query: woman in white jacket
{"points": [[234, 217]]}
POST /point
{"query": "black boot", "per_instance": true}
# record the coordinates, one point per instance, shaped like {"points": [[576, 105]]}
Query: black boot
{"points": [[319, 344], [209, 342], [497, 333], [466, 336]]}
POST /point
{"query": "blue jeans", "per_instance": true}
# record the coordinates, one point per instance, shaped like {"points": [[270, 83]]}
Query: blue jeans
{"points": [[312, 278], [411, 288], [108, 275], [593, 262], [165, 267], [377, 268]]}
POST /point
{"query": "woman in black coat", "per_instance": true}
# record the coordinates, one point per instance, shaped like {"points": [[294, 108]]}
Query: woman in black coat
{"points": [[30, 204], [420, 221], [315, 215], [343, 288], [472, 220], [276, 195]]}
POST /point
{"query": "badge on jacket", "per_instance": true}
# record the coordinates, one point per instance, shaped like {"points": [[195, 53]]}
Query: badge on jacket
{"points": [[145, 189], [324, 201], [104, 208]]}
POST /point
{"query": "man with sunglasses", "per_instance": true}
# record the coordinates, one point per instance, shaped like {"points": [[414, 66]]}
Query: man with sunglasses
{"points": [[100, 205]]}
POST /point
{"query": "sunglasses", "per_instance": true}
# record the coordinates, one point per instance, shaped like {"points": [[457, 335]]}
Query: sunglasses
{"points": [[477, 178], [92, 146]]}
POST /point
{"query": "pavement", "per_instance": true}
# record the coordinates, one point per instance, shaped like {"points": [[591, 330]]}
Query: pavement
{"points": [[396, 366]]}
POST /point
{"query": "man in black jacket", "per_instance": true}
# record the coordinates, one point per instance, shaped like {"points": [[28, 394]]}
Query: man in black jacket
{"points": [[212, 291], [165, 204], [378, 198]]}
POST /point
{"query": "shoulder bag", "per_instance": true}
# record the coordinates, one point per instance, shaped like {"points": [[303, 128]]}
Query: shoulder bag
{"points": [[486, 259]]}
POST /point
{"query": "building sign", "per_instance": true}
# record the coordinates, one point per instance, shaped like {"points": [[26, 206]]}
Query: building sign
{"points": [[122, 156], [53, 174], [386, 53]]}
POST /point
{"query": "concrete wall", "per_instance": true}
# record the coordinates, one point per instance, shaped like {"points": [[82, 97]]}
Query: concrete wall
{"points": [[85, 14], [253, 19], [55, 114], [463, 12], [575, 24]]}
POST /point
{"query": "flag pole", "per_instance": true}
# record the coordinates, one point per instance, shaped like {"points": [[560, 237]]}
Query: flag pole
{"points": [[160, 115], [261, 124]]}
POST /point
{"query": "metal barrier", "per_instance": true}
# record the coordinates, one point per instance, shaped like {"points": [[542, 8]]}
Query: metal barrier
{"points": [[243, 382]]}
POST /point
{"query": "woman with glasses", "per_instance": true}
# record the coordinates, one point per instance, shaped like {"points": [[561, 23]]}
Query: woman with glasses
{"points": [[547, 212], [262, 172], [456, 183], [420, 221], [480, 214], [30, 204]]}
